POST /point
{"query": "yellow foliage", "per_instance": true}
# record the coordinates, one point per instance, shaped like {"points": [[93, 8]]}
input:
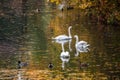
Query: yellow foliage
{"points": [[55, 1], [85, 5]]}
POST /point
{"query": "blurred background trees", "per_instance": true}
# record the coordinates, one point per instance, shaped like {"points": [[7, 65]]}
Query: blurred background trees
{"points": [[105, 11], [12, 19]]}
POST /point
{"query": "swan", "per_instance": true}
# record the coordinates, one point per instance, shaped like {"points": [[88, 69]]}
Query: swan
{"points": [[65, 57], [64, 37], [81, 46]]}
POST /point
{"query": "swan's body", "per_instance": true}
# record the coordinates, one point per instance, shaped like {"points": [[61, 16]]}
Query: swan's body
{"points": [[64, 37], [81, 46]]}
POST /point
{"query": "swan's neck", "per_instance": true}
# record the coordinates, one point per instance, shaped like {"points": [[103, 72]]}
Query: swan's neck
{"points": [[69, 32], [76, 39], [63, 50]]}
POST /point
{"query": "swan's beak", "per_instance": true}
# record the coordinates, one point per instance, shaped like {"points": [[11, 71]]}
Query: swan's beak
{"points": [[88, 45]]}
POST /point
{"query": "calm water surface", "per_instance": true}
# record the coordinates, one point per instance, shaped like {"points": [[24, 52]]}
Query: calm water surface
{"points": [[37, 50]]}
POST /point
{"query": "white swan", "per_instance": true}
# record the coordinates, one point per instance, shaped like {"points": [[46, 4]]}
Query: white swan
{"points": [[81, 46], [64, 37]]}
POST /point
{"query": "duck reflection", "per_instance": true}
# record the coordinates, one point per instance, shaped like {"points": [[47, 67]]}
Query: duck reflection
{"points": [[81, 46], [19, 75], [83, 65]]}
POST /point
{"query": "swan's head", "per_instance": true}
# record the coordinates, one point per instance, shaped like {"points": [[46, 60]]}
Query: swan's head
{"points": [[70, 27], [75, 36]]}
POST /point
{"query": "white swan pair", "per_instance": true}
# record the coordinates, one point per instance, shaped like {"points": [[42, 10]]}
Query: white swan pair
{"points": [[81, 46]]}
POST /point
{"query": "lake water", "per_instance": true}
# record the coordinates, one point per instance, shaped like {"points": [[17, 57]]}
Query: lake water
{"points": [[37, 50]]}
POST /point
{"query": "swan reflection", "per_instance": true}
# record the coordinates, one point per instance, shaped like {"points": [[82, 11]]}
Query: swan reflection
{"points": [[65, 57]]}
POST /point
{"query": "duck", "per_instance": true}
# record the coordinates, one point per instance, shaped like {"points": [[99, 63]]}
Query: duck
{"points": [[22, 64], [50, 66]]}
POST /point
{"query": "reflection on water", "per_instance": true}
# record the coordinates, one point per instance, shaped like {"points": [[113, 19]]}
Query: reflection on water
{"points": [[65, 57], [38, 50]]}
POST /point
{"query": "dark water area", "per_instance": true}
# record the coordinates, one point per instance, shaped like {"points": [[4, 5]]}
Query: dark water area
{"points": [[27, 51]]}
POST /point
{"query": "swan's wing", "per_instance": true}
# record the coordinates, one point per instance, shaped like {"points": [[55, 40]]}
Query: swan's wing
{"points": [[61, 41], [82, 43], [82, 48], [61, 37]]}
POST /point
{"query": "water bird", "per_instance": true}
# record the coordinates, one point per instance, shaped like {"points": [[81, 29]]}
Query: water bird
{"points": [[64, 37], [61, 6], [50, 66], [70, 8], [84, 65], [22, 64], [81, 46]]}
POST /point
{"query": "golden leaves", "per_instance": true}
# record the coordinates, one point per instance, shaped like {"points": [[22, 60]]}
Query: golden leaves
{"points": [[85, 5]]}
